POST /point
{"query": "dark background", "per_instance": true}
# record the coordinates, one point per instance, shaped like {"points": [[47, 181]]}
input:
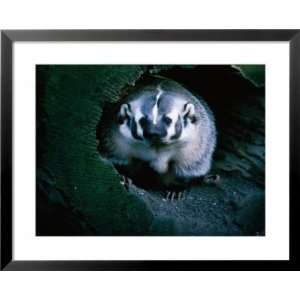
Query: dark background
{"points": [[77, 194]]}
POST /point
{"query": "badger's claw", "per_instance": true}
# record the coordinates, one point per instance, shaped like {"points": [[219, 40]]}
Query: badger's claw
{"points": [[211, 179], [126, 181], [173, 196]]}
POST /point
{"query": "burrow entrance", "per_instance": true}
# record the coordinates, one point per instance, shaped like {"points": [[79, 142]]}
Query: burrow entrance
{"points": [[239, 110], [236, 205]]}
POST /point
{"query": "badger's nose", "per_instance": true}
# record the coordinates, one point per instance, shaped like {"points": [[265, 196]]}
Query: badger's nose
{"points": [[153, 133]]}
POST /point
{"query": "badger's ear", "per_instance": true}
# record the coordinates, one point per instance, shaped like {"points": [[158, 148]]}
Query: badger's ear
{"points": [[189, 111], [124, 113]]}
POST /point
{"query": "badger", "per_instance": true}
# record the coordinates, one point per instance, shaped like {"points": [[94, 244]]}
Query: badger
{"points": [[164, 127]]}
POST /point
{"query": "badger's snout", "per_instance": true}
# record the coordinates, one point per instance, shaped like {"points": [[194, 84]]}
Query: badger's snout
{"points": [[153, 132]]}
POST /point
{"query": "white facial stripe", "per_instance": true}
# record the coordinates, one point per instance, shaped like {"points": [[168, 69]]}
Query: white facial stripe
{"points": [[155, 107], [155, 113], [171, 129], [139, 128], [173, 115], [125, 131], [137, 117]]}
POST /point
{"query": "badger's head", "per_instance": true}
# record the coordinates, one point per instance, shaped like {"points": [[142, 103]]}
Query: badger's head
{"points": [[158, 117]]}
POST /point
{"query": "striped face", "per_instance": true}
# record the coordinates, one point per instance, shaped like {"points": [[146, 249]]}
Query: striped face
{"points": [[156, 118]]}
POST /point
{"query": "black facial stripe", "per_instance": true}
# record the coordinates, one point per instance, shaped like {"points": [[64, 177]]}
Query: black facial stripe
{"points": [[185, 121], [178, 130], [143, 122], [133, 127], [167, 120], [184, 107], [158, 101]]}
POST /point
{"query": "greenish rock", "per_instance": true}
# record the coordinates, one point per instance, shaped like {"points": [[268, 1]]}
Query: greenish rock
{"points": [[72, 100], [254, 73]]}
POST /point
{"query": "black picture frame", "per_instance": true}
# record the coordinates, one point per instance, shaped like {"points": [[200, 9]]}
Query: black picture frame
{"points": [[8, 37]]}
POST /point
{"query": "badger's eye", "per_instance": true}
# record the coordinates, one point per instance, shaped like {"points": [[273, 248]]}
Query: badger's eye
{"points": [[193, 119], [187, 118], [167, 120]]}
